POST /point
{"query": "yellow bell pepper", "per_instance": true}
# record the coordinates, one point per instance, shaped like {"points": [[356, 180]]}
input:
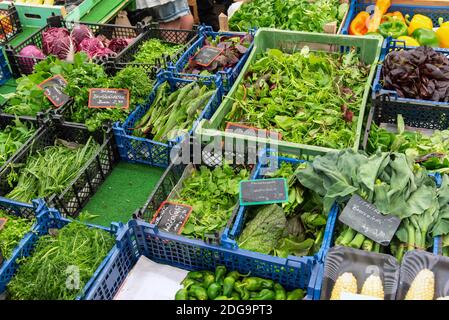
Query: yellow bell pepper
{"points": [[409, 41], [419, 21], [380, 9], [443, 36]]}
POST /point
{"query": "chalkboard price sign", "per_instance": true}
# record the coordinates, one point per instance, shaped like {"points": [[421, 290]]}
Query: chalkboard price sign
{"points": [[171, 217], [263, 191], [207, 55], [2, 223], [54, 90], [365, 218], [102, 98]]}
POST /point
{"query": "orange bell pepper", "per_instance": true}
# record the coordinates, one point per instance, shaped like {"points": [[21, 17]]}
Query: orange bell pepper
{"points": [[397, 15], [380, 9], [359, 25]]}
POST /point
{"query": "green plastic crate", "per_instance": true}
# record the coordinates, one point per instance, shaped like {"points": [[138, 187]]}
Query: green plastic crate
{"points": [[368, 48]]}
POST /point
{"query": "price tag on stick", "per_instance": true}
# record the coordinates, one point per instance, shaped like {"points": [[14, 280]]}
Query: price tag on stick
{"points": [[365, 218], [263, 191], [206, 55], [54, 90], [171, 217], [102, 98]]}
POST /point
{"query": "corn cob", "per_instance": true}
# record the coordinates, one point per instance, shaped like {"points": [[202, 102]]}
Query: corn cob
{"points": [[345, 283], [422, 287], [373, 287]]}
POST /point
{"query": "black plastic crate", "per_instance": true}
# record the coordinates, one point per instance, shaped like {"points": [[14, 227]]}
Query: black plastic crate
{"points": [[22, 64], [76, 195], [10, 25], [153, 31], [433, 117], [6, 120], [173, 176]]}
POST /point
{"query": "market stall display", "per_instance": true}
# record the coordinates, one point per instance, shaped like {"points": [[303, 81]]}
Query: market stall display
{"points": [[198, 165]]}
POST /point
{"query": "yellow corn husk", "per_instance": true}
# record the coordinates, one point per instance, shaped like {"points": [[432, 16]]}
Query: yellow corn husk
{"points": [[373, 287], [345, 283], [422, 287]]}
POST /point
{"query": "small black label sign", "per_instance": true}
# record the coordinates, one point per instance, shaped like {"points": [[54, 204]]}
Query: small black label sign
{"points": [[365, 218], [108, 98], [263, 191], [54, 90], [171, 217], [207, 55]]}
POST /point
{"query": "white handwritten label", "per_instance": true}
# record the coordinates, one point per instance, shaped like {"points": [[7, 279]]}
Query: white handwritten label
{"points": [[365, 218]]}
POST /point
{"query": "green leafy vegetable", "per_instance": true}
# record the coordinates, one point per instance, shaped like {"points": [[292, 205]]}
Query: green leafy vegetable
{"points": [[153, 50], [173, 113], [12, 233], [311, 98], [299, 15], [51, 272], [213, 194], [50, 171], [393, 184], [12, 138], [431, 151]]}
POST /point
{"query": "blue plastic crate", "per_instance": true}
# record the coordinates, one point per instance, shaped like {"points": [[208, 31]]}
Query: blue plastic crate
{"points": [[147, 151], [416, 113], [46, 219], [229, 75], [433, 12], [5, 73], [37, 210], [141, 238]]}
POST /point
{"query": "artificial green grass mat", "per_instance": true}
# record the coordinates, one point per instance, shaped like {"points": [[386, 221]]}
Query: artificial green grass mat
{"points": [[125, 190]]}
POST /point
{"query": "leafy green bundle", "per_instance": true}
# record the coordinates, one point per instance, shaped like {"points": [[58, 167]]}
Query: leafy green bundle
{"points": [[173, 113], [311, 98], [298, 15], [12, 137], [50, 171], [12, 233], [154, 49], [51, 272], [393, 184], [213, 194], [429, 151], [295, 228], [89, 75]]}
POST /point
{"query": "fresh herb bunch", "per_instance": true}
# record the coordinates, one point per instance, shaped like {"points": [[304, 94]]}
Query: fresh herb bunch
{"points": [[43, 275], [154, 50], [12, 137], [29, 99], [50, 171], [311, 98], [293, 228], [298, 15], [91, 75], [393, 184], [12, 233], [213, 194], [428, 151]]}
